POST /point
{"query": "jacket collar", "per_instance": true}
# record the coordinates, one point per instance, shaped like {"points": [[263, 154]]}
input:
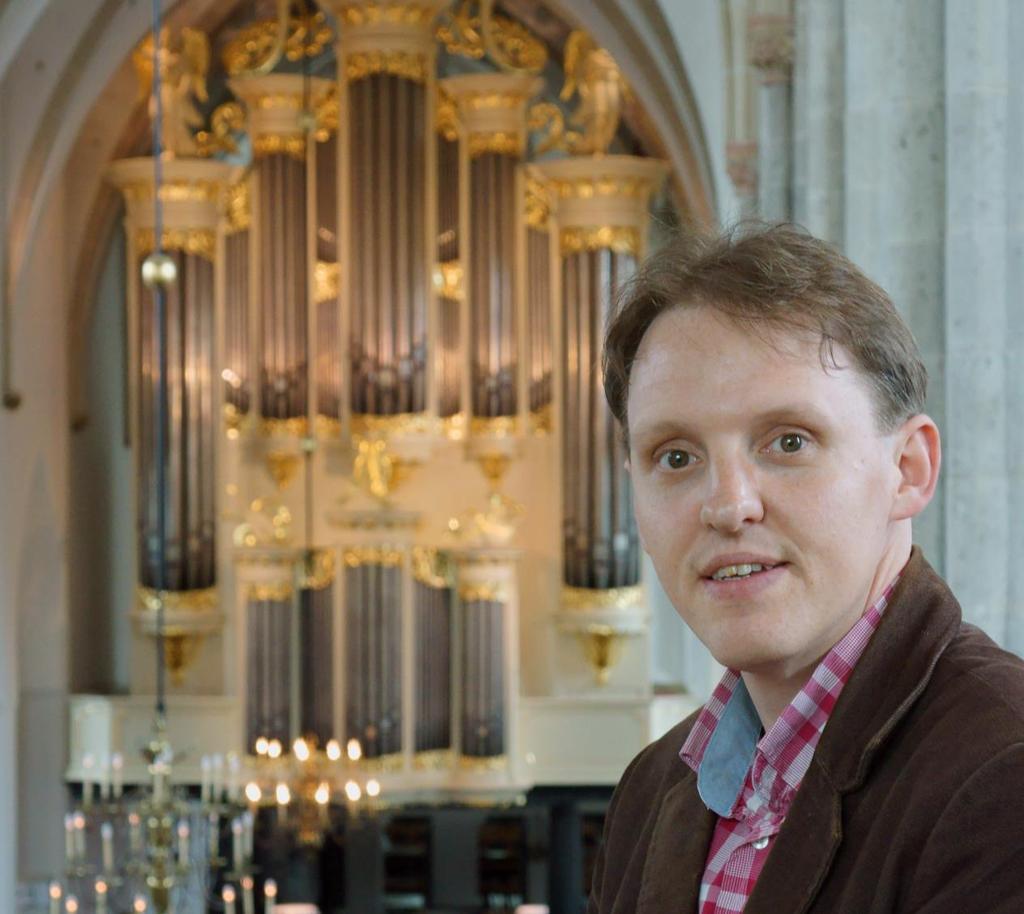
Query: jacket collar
{"points": [[921, 620]]}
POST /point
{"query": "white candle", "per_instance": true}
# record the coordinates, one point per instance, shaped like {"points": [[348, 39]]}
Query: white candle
{"points": [[117, 767], [101, 897], [234, 776], [218, 778], [270, 896], [214, 833], [205, 785], [248, 825], [248, 902], [79, 837], [55, 896], [105, 780], [134, 834], [69, 842], [228, 895], [237, 848], [88, 763], [107, 842], [183, 844]]}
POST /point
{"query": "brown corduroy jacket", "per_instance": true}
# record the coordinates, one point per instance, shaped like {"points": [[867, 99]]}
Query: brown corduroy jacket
{"points": [[914, 800]]}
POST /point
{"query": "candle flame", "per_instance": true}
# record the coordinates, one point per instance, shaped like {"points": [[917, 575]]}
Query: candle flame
{"points": [[253, 793], [247, 883], [274, 748], [301, 749], [262, 744], [71, 905], [355, 751], [139, 905], [352, 791], [270, 888], [183, 829], [333, 750], [372, 788], [228, 894], [283, 794], [101, 887], [79, 820], [323, 794], [55, 891]]}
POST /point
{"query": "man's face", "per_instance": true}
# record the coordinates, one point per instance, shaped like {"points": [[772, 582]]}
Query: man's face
{"points": [[748, 452]]}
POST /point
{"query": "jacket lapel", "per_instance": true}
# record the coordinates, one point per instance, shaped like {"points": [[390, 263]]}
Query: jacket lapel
{"points": [[803, 850], [677, 851]]}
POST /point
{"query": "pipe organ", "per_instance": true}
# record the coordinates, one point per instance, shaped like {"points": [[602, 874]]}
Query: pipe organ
{"points": [[389, 277]]}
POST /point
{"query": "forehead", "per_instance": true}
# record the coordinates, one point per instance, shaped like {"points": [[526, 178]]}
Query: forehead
{"points": [[696, 361]]}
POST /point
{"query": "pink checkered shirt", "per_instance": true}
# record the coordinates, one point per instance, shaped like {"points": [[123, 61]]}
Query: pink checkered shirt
{"points": [[745, 832]]}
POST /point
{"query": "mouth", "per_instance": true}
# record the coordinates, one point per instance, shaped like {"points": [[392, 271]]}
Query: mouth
{"points": [[740, 571]]}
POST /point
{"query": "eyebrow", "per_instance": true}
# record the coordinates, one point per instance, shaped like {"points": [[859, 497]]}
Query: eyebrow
{"points": [[797, 413]]}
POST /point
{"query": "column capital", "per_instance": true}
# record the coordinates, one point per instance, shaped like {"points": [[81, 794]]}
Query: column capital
{"points": [[770, 47], [741, 165]]}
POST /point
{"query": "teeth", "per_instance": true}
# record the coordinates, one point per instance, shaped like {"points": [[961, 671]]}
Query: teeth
{"points": [[738, 571]]}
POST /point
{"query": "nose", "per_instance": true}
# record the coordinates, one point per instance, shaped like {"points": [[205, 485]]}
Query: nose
{"points": [[733, 499]]}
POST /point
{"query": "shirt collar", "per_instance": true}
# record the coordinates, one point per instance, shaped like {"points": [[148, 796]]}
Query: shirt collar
{"points": [[725, 740]]}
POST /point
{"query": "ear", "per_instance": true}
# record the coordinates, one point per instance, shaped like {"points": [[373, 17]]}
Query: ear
{"points": [[918, 457]]}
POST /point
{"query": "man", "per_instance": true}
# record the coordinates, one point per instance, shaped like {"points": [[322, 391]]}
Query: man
{"points": [[864, 753]]}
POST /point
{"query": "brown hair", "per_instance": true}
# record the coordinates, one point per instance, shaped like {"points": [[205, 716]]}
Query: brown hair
{"points": [[774, 278]]}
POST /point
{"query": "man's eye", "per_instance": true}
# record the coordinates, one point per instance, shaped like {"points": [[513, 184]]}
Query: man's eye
{"points": [[790, 443], [675, 459]]}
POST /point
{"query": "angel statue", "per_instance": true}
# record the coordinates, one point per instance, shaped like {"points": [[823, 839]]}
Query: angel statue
{"points": [[591, 72], [183, 68]]}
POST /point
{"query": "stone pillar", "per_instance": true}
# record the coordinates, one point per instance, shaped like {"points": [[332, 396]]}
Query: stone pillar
{"points": [[983, 275], [770, 48], [818, 99], [895, 180]]}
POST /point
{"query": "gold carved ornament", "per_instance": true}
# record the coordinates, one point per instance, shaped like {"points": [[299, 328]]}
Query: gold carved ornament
{"points": [[497, 142], [447, 116], [226, 120], [326, 281], [181, 644], [273, 592], [199, 242], [359, 14], [592, 74], [259, 47], [183, 64], [622, 239], [296, 427], [491, 592], [430, 567], [473, 30], [483, 763], [537, 205], [192, 191], [363, 64], [317, 569], [448, 280], [372, 555], [237, 206], [494, 426], [394, 424], [580, 599]]}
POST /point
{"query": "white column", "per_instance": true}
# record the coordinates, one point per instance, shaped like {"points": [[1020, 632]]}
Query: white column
{"points": [[895, 178], [818, 98], [983, 285], [770, 43]]}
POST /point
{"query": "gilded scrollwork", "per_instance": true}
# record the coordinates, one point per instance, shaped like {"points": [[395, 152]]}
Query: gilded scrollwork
{"points": [[472, 29], [255, 47], [592, 74], [226, 120], [408, 65]]}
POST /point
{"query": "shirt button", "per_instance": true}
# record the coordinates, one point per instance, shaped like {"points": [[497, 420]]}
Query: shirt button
{"points": [[761, 843]]}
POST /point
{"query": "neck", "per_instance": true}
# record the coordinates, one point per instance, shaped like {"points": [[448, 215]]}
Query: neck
{"points": [[772, 690]]}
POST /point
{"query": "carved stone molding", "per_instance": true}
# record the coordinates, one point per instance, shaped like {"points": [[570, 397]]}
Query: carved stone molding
{"points": [[770, 47]]}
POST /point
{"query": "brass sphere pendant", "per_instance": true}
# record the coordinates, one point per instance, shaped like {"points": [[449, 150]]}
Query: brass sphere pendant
{"points": [[159, 270]]}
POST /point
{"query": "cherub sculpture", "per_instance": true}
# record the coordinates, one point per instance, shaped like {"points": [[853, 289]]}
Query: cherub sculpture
{"points": [[183, 67], [591, 72]]}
